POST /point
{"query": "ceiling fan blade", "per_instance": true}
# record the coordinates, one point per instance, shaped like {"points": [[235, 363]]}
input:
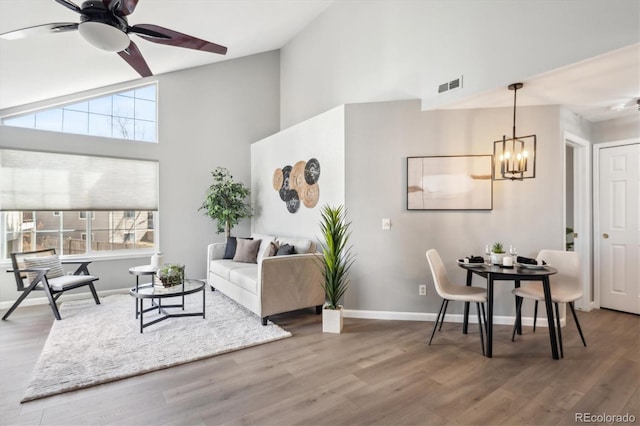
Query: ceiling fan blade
{"points": [[121, 7], [59, 27], [174, 38], [69, 5], [134, 58]]}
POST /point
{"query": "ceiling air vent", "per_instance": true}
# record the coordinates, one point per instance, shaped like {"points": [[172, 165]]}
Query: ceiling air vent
{"points": [[451, 85]]}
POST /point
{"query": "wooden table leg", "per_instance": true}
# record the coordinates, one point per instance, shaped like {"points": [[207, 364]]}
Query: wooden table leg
{"points": [[465, 321], [549, 307]]}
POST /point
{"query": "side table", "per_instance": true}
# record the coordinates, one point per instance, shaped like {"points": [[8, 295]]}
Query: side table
{"points": [[139, 271]]}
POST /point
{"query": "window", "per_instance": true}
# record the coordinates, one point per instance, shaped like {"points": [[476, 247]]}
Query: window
{"points": [[42, 206], [130, 114], [106, 232]]}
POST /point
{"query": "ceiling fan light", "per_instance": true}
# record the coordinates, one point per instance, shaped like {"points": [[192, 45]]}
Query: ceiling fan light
{"points": [[104, 36]]}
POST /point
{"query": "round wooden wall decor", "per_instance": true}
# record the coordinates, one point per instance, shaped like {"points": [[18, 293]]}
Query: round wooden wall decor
{"points": [[298, 183], [297, 180], [310, 195], [278, 179]]}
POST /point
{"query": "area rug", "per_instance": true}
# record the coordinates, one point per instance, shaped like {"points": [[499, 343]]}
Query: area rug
{"points": [[95, 344]]}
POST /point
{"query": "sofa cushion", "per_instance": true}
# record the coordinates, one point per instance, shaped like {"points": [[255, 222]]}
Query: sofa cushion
{"points": [[301, 245], [223, 267], [64, 281], [285, 250], [247, 251], [247, 278]]}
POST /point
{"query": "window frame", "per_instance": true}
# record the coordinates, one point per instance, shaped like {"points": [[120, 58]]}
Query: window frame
{"points": [[70, 101], [89, 254]]}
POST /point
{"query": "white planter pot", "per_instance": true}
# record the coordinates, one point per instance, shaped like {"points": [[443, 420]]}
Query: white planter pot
{"points": [[496, 258], [332, 320]]}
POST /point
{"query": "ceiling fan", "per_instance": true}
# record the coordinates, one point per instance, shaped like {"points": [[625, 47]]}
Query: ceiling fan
{"points": [[103, 23]]}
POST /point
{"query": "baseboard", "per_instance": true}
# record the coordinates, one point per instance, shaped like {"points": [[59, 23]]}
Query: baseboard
{"points": [[348, 313], [423, 316], [34, 301]]}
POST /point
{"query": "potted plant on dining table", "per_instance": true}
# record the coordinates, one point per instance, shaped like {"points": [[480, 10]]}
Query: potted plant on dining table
{"points": [[497, 253]]}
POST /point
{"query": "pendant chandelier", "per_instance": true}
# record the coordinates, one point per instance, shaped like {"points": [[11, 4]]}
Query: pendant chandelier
{"points": [[514, 157]]}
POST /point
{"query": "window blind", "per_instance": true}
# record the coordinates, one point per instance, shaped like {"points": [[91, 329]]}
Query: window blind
{"points": [[34, 180]]}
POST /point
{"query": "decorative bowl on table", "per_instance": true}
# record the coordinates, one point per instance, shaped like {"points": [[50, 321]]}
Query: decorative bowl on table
{"points": [[171, 274]]}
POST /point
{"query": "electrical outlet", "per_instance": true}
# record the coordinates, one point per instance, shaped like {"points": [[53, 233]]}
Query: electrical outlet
{"points": [[422, 290]]}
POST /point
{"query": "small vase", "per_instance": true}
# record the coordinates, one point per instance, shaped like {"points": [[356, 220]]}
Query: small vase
{"points": [[496, 258], [157, 260], [332, 320]]}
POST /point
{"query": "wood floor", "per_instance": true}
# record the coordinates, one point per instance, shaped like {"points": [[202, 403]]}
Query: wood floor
{"points": [[375, 373]]}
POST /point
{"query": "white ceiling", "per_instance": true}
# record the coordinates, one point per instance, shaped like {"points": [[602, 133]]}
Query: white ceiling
{"points": [[589, 88], [59, 64], [52, 65]]}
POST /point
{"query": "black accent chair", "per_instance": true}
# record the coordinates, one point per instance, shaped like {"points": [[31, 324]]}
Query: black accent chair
{"points": [[42, 270]]}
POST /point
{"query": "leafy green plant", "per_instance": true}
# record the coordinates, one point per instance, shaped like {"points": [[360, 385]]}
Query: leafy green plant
{"points": [[336, 255], [171, 274], [225, 201], [497, 248]]}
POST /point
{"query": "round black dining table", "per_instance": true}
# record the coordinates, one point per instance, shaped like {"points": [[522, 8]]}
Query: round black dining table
{"points": [[516, 274]]}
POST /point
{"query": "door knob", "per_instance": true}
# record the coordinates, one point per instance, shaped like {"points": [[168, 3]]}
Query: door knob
{"points": [[605, 236]]}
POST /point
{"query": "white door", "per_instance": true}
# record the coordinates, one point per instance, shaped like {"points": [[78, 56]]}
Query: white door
{"points": [[619, 233]]}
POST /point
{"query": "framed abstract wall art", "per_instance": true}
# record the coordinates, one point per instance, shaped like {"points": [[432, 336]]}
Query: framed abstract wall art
{"points": [[460, 182]]}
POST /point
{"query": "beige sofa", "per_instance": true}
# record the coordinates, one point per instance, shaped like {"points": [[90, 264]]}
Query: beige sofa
{"points": [[273, 285]]}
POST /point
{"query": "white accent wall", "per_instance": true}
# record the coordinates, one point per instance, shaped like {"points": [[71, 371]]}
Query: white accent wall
{"points": [[322, 138]]}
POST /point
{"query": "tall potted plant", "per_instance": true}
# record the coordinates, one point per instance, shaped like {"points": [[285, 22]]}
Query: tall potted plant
{"points": [[225, 201], [336, 262]]}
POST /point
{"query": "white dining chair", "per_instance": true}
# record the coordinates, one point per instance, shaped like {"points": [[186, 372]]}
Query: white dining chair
{"points": [[565, 288], [449, 291]]}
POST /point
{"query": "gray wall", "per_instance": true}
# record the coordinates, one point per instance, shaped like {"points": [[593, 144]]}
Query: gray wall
{"points": [[366, 51], [391, 264], [208, 117], [617, 129]]}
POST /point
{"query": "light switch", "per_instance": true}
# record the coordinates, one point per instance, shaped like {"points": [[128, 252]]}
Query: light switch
{"points": [[386, 224]]}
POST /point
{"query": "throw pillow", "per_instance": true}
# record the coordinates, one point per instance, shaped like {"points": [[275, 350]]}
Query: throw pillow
{"points": [[230, 248], [273, 249], [52, 262], [302, 245], [247, 251], [264, 246], [286, 249]]}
